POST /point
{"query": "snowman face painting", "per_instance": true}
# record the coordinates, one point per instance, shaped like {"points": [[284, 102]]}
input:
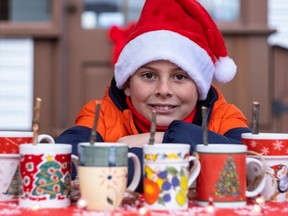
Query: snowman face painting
{"points": [[282, 178], [277, 183]]}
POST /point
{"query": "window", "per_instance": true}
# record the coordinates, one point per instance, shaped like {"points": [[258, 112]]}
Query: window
{"points": [[27, 10], [223, 10], [104, 13], [21, 21], [16, 83], [278, 19]]}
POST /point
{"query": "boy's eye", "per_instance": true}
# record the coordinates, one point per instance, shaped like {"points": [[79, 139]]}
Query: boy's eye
{"points": [[180, 77], [148, 75]]}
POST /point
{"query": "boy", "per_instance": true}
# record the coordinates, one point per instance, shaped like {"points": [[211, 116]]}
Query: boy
{"points": [[167, 64]]}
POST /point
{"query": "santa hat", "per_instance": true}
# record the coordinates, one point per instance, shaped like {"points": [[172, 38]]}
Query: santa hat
{"points": [[182, 32], [279, 167], [118, 35]]}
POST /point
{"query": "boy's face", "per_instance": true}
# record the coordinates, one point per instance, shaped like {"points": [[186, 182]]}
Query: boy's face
{"points": [[164, 87]]}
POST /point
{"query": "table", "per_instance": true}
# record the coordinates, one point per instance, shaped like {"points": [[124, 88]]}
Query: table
{"points": [[269, 209]]}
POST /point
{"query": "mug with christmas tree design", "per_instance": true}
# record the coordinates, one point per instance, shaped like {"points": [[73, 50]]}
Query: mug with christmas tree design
{"points": [[225, 175], [45, 175], [9, 160]]}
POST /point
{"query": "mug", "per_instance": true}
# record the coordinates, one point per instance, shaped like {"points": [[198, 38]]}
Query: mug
{"points": [[9, 180], [9, 160], [223, 176], [276, 187], [103, 171], [167, 176], [45, 175], [267, 144], [10, 140]]}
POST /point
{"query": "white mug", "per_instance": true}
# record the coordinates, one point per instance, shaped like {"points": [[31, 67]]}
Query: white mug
{"points": [[45, 175], [276, 186], [9, 160], [103, 171], [167, 175]]}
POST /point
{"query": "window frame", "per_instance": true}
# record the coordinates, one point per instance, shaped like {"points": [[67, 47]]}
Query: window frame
{"points": [[35, 29]]}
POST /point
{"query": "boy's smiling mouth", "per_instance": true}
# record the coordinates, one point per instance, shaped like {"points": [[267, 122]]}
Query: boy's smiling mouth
{"points": [[163, 107]]}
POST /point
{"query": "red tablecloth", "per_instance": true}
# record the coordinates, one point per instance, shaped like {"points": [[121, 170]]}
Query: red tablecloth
{"points": [[269, 209]]}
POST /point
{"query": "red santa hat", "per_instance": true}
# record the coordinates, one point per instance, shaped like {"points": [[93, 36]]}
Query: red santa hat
{"points": [[279, 167], [182, 32]]}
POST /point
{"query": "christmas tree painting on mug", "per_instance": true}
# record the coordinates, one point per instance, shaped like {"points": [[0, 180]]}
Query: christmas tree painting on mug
{"points": [[45, 175], [226, 183]]}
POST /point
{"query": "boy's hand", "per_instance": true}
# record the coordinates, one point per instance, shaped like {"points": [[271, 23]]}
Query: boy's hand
{"points": [[140, 139]]}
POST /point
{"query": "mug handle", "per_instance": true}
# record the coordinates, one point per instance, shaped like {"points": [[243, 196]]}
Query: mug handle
{"points": [[75, 161], [195, 169], [262, 183], [46, 137], [137, 172]]}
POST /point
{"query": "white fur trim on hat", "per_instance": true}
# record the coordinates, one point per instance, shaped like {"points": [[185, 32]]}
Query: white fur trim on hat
{"points": [[166, 45]]}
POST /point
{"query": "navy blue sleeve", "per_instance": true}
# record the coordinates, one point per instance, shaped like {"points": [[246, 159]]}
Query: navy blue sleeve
{"points": [[182, 132], [73, 136]]}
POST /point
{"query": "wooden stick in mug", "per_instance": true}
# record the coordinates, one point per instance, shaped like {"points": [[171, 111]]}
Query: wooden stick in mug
{"points": [[255, 117], [36, 121], [153, 128], [93, 136], [204, 125]]}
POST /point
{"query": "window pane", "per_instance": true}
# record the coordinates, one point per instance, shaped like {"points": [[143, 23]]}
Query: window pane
{"points": [[25, 10], [102, 13], [223, 10], [278, 19], [134, 9], [105, 13], [16, 83], [29, 10]]}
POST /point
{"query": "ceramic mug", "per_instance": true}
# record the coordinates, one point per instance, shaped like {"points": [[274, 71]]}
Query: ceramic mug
{"points": [[223, 175], [267, 144], [167, 175], [9, 161], [10, 140], [45, 175], [274, 149], [276, 187], [103, 173], [9, 180]]}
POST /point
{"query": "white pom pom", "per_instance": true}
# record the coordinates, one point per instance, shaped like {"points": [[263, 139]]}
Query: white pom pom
{"points": [[225, 69]]}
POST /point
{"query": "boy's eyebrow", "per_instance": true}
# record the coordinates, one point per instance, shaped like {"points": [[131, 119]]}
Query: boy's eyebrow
{"points": [[153, 68], [146, 67]]}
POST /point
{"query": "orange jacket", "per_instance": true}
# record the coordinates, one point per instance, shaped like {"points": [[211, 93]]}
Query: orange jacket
{"points": [[116, 121]]}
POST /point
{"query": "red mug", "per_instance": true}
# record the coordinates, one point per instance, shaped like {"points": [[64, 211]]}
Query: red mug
{"points": [[223, 176], [267, 144], [10, 140]]}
